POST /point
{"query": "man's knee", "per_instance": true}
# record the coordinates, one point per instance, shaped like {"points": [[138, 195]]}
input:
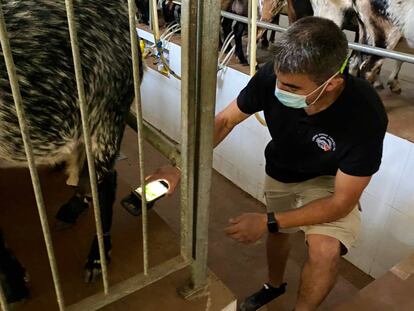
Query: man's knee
{"points": [[323, 249]]}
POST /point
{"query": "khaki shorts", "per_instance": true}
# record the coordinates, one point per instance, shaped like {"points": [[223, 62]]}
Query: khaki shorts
{"points": [[286, 196]]}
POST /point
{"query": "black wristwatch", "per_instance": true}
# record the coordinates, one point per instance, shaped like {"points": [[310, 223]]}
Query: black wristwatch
{"points": [[272, 224]]}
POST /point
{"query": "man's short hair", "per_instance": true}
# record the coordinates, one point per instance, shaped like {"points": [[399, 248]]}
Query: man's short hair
{"points": [[313, 46]]}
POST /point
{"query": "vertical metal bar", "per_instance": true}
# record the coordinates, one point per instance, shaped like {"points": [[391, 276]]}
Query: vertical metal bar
{"points": [[86, 135], [150, 16], [24, 129], [3, 300], [253, 37], [249, 24], [140, 127], [154, 19], [189, 94], [208, 39], [253, 47]]}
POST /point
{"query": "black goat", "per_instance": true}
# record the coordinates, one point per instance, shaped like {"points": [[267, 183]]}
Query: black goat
{"points": [[39, 37]]}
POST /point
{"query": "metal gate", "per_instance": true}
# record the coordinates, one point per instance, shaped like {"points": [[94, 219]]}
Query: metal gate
{"points": [[200, 34]]}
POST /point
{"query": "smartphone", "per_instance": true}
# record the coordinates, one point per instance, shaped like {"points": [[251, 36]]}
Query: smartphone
{"points": [[153, 191]]}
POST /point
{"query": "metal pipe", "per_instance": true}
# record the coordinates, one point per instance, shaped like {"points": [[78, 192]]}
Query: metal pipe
{"points": [[129, 286], [138, 109], [87, 138], [253, 37], [207, 47], [3, 300], [189, 95], [249, 25], [161, 142], [154, 20], [24, 129]]}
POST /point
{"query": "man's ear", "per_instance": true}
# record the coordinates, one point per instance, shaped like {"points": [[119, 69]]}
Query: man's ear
{"points": [[334, 84]]}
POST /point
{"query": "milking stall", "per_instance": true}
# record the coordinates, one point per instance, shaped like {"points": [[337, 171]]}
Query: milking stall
{"points": [[206, 155]]}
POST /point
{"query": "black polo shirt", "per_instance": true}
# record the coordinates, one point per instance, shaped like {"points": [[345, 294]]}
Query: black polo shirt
{"points": [[347, 135]]}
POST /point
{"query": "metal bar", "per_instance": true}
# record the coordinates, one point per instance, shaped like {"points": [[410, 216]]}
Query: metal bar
{"points": [[249, 25], [138, 109], [130, 286], [161, 142], [208, 39], [189, 95], [87, 138], [253, 37], [3, 300], [24, 129], [253, 48], [154, 20]]}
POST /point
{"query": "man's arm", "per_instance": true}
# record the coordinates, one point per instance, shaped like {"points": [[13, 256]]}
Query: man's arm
{"points": [[225, 122], [250, 227]]}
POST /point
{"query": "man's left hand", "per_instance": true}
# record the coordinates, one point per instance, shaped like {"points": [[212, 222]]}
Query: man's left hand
{"points": [[247, 228]]}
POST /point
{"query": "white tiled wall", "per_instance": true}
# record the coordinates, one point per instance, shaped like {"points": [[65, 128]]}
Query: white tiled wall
{"points": [[387, 232]]}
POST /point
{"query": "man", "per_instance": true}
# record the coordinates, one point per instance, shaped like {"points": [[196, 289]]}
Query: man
{"points": [[327, 133]]}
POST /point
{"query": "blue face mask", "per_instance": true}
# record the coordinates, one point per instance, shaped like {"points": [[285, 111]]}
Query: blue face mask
{"points": [[291, 100], [297, 101]]}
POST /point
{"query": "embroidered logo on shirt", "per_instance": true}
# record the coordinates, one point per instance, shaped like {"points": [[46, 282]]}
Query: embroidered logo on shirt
{"points": [[325, 142]]}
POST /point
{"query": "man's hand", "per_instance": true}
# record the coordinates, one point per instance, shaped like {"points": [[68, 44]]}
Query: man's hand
{"points": [[247, 228], [170, 174]]}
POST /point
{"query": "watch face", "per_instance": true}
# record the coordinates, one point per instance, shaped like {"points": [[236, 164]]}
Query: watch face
{"points": [[272, 224]]}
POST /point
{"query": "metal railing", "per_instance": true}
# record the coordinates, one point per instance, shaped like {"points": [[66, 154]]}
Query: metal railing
{"points": [[404, 57], [400, 56], [199, 67]]}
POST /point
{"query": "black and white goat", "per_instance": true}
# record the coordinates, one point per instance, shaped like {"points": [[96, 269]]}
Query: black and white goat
{"points": [[381, 24], [39, 37]]}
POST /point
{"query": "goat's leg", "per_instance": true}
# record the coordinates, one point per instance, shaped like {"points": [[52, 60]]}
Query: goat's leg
{"points": [[70, 212], [13, 277], [226, 26], [393, 82], [276, 21], [239, 29], [106, 192], [264, 41]]}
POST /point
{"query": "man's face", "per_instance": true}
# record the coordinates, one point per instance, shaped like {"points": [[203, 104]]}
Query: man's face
{"points": [[301, 84]]}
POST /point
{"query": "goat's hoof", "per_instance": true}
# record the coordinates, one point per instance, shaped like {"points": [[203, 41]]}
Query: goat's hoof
{"points": [[70, 212], [13, 278], [378, 86], [93, 268], [395, 88], [93, 272]]}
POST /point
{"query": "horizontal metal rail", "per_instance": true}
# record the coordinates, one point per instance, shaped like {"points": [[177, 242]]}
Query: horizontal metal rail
{"points": [[130, 285], [157, 139], [400, 56], [404, 57]]}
